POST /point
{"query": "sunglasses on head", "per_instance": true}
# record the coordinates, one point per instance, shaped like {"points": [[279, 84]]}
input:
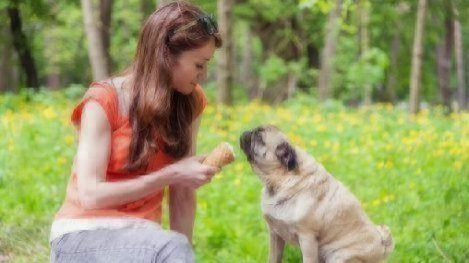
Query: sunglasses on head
{"points": [[207, 22]]}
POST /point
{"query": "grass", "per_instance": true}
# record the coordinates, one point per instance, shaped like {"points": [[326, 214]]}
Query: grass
{"points": [[410, 173]]}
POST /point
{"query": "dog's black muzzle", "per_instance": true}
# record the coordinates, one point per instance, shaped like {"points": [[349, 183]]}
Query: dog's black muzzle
{"points": [[245, 144]]}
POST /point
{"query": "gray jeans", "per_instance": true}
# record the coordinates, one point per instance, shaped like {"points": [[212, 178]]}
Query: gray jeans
{"points": [[122, 245]]}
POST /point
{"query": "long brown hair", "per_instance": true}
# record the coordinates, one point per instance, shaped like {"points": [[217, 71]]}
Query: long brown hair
{"points": [[156, 109]]}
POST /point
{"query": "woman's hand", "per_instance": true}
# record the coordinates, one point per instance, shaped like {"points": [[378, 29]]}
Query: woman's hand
{"points": [[190, 172]]}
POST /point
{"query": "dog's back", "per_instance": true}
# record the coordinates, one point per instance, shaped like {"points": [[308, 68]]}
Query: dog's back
{"points": [[349, 232], [386, 239], [305, 205]]}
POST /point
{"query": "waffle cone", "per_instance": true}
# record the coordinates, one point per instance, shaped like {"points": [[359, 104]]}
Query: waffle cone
{"points": [[220, 156]]}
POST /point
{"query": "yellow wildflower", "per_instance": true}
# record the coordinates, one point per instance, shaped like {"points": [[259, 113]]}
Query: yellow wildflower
{"points": [[238, 167], [49, 113], [69, 139], [61, 160], [237, 182], [380, 165], [457, 165], [313, 143], [317, 118], [339, 128], [11, 146], [321, 128]]}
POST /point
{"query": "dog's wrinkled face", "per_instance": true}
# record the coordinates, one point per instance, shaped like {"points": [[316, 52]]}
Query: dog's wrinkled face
{"points": [[267, 149]]}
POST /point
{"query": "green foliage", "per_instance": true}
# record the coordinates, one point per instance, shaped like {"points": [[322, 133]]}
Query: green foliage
{"points": [[268, 10], [368, 70], [273, 69], [410, 173], [322, 6], [39, 8], [125, 28], [56, 33]]}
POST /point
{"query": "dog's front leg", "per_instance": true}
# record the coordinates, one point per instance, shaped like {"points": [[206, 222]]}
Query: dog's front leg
{"points": [[309, 248], [277, 244]]}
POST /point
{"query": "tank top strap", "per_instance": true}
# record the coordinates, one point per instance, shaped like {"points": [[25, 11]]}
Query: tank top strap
{"points": [[104, 94]]}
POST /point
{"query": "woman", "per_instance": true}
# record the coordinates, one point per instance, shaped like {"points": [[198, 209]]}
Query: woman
{"points": [[137, 133]]}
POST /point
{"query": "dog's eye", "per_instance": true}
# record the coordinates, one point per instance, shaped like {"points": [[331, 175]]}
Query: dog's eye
{"points": [[258, 139]]}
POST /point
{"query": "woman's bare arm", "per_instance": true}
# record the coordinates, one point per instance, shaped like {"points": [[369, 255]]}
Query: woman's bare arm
{"points": [[93, 157], [92, 161], [182, 200]]}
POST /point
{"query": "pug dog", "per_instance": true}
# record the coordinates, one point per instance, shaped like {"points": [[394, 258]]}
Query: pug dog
{"points": [[306, 206]]}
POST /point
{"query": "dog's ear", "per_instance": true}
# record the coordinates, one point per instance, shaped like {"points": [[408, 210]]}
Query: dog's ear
{"points": [[286, 155]]}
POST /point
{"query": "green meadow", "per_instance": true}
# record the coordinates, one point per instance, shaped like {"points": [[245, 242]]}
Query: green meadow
{"points": [[410, 173]]}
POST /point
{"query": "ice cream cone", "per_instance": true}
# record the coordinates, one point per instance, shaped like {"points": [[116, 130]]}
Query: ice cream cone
{"points": [[220, 156]]}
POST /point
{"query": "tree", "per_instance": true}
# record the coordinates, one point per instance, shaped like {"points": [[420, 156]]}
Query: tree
{"points": [[105, 12], [328, 52], [287, 47], [22, 45], [52, 68], [363, 10], [459, 63], [225, 57], [246, 75], [390, 90], [417, 58], [443, 56], [8, 72], [96, 47]]}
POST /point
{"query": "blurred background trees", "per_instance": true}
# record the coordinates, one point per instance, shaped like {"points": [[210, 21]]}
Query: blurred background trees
{"points": [[356, 51]]}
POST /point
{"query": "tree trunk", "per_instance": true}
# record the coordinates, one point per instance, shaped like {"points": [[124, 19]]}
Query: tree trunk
{"points": [[20, 42], [363, 10], [313, 56], [4, 62], [8, 63], [52, 67], [443, 55], [417, 58], [105, 14], [96, 51], [225, 58], [291, 84], [246, 70], [53, 81], [391, 86], [459, 64], [390, 89], [328, 53], [275, 43]]}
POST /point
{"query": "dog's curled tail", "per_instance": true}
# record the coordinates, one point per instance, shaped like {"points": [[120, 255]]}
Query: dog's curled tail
{"points": [[386, 239]]}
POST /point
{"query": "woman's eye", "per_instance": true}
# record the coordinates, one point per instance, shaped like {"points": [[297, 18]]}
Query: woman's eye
{"points": [[198, 66]]}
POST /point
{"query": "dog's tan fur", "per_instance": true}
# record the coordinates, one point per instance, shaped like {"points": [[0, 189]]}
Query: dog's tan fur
{"points": [[304, 205]]}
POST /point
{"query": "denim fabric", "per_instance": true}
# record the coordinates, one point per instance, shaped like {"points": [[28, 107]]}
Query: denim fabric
{"points": [[122, 245]]}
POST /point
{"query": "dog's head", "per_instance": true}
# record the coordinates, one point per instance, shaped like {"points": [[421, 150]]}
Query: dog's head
{"points": [[268, 150]]}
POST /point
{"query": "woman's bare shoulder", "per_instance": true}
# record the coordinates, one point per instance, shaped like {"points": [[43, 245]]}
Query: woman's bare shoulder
{"points": [[94, 118]]}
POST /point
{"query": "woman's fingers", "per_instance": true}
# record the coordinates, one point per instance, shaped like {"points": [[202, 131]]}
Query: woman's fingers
{"points": [[210, 170], [199, 159], [205, 179]]}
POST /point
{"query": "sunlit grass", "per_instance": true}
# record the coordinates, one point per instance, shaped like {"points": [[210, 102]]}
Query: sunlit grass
{"points": [[410, 173]]}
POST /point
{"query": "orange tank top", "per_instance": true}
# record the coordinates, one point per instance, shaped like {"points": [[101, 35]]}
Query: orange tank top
{"points": [[149, 207]]}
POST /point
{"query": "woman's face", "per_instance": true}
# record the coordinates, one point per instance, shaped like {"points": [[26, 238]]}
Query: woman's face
{"points": [[191, 67]]}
